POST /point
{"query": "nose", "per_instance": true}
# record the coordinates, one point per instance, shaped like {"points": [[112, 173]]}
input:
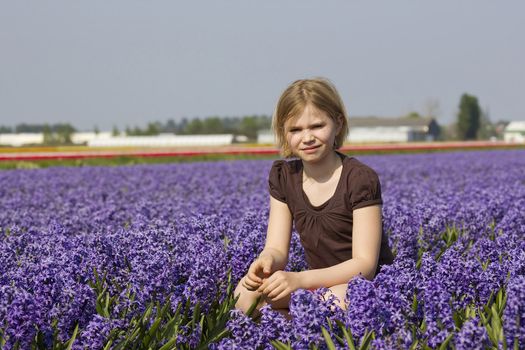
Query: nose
{"points": [[308, 137]]}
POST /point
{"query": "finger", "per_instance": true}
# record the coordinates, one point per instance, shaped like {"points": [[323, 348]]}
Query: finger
{"points": [[281, 295], [271, 287], [267, 266], [249, 287], [252, 284], [271, 279], [253, 276], [254, 279], [247, 282], [264, 285], [276, 291]]}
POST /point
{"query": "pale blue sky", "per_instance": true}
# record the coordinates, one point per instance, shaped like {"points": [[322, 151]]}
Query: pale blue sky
{"points": [[128, 62]]}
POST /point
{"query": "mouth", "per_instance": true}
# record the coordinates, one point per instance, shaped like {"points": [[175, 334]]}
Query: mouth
{"points": [[311, 148]]}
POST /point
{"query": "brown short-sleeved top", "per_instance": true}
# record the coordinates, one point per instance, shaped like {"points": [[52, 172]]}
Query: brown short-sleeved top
{"points": [[326, 230]]}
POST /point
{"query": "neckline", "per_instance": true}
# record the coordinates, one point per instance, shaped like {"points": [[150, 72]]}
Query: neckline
{"points": [[326, 204]]}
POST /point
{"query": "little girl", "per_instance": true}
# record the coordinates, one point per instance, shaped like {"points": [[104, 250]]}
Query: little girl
{"points": [[333, 200]]}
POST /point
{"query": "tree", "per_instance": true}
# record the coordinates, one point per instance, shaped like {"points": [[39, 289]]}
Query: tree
{"points": [[487, 130], [153, 129], [115, 131], [170, 127], [468, 117], [31, 128], [136, 131], [248, 127], [194, 127], [6, 130], [181, 127], [212, 125], [63, 132], [413, 115], [48, 134], [264, 122], [231, 124]]}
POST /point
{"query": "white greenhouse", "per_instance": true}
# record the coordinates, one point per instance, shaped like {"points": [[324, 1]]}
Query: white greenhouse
{"points": [[515, 132]]}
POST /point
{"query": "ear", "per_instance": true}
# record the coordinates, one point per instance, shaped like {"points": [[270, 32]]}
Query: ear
{"points": [[339, 123]]}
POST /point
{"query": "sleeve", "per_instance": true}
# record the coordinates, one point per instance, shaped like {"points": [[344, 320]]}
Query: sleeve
{"points": [[365, 189], [277, 181]]}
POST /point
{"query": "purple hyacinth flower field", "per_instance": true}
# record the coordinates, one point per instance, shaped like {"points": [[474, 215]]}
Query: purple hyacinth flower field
{"points": [[147, 256]]}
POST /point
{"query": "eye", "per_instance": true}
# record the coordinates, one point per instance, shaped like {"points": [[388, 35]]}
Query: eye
{"points": [[294, 130], [317, 126]]}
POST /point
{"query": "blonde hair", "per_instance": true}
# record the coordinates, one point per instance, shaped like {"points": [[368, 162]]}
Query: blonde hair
{"points": [[320, 93]]}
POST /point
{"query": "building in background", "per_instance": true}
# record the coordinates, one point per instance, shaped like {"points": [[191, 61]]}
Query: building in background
{"points": [[38, 138], [514, 132], [79, 138], [266, 137], [374, 129], [21, 139], [164, 140], [106, 139]]}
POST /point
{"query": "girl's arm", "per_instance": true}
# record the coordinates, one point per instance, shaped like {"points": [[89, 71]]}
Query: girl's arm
{"points": [[366, 244], [274, 256], [279, 234]]}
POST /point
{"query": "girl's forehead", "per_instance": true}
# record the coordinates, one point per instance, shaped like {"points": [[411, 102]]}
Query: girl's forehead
{"points": [[309, 113]]}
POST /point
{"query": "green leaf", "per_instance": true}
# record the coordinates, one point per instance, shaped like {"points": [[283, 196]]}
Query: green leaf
{"points": [[484, 319], [419, 258], [426, 347], [367, 338], [499, 297], [218, 336], [328, 339], [444, 345], [423, 326], [108, 345], [106, 305], [347, 333], [154, 327], [491, 335], [38, 339], [169, 344], [73, 337], [414, 345], [170, 328], [414, 303], [280, 345], [254, 306], [147, 313], [470, 312], [458, 318], [196, 315], [496, 320]]}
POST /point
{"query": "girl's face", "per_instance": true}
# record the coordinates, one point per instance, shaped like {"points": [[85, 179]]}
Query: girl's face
{"points": [[311, 135]]}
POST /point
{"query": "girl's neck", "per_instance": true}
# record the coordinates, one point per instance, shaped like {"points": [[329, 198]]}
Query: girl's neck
{"points": [[322, 170]]}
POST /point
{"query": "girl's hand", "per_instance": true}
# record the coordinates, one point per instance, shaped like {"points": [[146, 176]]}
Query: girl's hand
{"points": [[280, 284], [259, 270]]}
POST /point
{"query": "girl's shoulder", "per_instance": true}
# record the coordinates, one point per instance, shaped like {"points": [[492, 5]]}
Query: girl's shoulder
{"points": [[287, 166], [357, 168], [362, 185], [283, 177]]}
